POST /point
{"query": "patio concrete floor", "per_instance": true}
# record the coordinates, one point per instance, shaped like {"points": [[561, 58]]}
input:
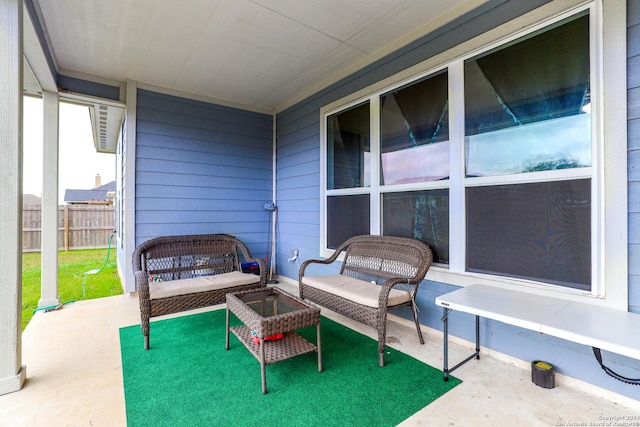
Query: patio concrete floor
{"points": [[74, 376]]}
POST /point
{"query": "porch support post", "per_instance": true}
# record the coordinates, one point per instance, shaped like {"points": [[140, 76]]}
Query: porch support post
{"points": [[49, 247], [127, 173], [12, 373]]}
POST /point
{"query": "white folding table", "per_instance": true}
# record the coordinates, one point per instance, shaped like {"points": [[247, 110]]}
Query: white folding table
{"points": [[595, 326]]}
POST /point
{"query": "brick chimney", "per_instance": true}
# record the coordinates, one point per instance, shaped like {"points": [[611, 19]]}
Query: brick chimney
{"points": [[97, 181]]}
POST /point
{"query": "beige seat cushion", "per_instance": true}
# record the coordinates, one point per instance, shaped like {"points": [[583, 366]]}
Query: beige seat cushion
{"points": [[355, 290], [172, 288]]}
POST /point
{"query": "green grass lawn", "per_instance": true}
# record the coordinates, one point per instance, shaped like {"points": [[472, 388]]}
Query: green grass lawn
{"points": [[73, 283]]}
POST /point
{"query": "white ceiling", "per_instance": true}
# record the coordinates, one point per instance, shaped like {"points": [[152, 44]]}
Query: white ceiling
{"points": [[261, 54]]}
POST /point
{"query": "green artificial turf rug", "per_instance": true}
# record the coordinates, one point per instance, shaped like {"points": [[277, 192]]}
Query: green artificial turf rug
{"points": [[187, 378]]}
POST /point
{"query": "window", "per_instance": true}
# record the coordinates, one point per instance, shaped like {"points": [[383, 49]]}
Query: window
{"points": [[542, 228], [422, 215], [527, 110], [492, 159], [414, 140], [348, 167], [528, 102], [414, 132], [348, 148]]}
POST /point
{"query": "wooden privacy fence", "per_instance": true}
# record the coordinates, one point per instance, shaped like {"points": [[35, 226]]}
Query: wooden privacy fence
{"points": [[79, 227]]}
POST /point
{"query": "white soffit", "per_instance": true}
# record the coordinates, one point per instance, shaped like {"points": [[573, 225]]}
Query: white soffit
{"points": [[265, 54], [106, 122], [106, 119]]}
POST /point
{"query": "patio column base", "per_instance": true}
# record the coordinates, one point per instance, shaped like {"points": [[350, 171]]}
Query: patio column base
{"points": [[15, 383], [48, 302]]}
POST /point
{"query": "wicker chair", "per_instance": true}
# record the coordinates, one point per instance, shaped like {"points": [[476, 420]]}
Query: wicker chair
{"points": [[178, 273], [379, 273]]}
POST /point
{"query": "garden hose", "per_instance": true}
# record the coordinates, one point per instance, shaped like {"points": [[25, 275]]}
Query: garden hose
{"points": [[59, 306]]}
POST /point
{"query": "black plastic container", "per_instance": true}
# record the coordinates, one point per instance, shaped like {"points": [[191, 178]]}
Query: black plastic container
{"points": [[543, 374], [251, 267]]}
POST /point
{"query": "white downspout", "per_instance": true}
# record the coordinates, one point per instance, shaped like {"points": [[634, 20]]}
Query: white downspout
{"points": [[273, 195]]}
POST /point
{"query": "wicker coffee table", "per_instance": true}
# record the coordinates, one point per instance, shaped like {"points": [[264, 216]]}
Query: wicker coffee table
{"points": [[267, 312]]}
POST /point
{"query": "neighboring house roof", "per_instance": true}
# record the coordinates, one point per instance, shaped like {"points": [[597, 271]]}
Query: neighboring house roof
{"points": [[86, 196], [31, 200]]}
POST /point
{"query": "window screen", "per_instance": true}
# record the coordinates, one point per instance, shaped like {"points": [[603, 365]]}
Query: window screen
{"points": [[347, 216], [538, 231], [422, 215]]}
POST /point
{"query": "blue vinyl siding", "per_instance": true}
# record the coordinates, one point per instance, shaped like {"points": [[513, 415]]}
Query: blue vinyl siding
{"points": [[298, 191], [633, 138], [121, 210], [202, 168]]}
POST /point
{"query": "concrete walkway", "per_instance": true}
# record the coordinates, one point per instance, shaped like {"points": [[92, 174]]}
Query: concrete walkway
{"points": [[74, 377]]}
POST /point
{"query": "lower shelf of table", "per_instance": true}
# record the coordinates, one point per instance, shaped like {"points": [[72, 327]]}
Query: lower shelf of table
{"points": [[290, 345]]}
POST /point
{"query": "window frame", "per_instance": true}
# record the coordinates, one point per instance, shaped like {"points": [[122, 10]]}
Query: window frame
{"points": [[609, 266]]}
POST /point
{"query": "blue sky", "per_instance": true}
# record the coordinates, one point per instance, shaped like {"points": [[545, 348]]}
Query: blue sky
{"points": [[79, 162]]}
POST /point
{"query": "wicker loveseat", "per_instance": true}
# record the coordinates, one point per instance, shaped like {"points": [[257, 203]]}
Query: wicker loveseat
{"points": [[379, 273], [178, 273]]}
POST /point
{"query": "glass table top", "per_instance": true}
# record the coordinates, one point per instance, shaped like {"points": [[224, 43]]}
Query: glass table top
{"points": [[271, 302]]}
